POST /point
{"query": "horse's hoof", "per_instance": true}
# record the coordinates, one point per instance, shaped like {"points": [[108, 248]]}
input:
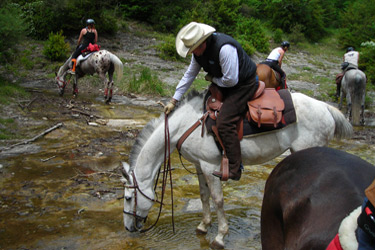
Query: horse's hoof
{"points": [[216, 245], [200, 232]]}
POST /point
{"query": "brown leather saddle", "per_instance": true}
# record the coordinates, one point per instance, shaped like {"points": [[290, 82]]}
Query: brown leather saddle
{"points": [[268, 110], [265, 109]]}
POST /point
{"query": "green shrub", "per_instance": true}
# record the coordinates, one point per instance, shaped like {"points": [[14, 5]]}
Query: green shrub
{"points": [[55, 47], [296, 36], [108, 22], [278, 36], [249, 32], [367, 60], [167, 48]]}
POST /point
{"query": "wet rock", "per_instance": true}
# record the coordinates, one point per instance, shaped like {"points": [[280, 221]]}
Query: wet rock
{"points": [[21, 149]]}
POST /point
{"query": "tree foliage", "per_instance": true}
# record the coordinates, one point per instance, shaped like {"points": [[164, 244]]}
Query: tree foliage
{"points": [[358, 23], [12, 26]]}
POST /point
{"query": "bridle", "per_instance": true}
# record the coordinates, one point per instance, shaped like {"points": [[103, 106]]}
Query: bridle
{"points": [[64, 83], [135, 186]]}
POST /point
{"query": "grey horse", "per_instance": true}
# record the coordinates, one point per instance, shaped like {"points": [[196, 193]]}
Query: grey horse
{"points": [[353, 88]]}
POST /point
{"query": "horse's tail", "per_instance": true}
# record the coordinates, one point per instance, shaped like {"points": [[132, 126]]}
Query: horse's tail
{"points": [[118, 66], [343, 128]]}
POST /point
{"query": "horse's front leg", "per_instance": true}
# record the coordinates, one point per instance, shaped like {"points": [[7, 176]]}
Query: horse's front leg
{"points": [[205, 198], [215, 188]]}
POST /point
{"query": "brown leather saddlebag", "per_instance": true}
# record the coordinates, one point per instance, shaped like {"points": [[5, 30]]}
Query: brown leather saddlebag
{"points": [[266, 109]]}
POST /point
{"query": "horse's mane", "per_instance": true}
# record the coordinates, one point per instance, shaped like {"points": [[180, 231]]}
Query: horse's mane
{"points": [[64, 67], [194, 98]]}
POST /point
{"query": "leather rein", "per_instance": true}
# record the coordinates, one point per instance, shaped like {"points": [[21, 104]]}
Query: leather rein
{"points": [[64, 83], [167, 169]]}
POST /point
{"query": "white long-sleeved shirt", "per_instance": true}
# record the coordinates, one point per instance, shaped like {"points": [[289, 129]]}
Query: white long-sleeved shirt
{"points": [[229, 67]]}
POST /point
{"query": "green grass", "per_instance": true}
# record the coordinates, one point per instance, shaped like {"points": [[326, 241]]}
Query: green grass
{"points": [[8, 91], [4, 133], [143, 80]]}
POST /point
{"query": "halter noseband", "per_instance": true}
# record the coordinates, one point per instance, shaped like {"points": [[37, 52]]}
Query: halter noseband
{"points": [[134, 213]]}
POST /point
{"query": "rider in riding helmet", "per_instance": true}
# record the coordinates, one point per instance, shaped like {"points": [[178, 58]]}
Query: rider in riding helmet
{"points": [[88, 35], [350, 61], [275, 58]]}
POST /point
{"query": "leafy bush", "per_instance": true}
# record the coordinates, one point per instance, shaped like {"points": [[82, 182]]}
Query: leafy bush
{"points": [[250, 34], [278, 36], [367, 60], [297, 36], [55, 47], [41, 18], [167, 49]]}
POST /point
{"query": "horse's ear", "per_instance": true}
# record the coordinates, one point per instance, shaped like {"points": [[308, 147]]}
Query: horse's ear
{"points": [[125, 170]]}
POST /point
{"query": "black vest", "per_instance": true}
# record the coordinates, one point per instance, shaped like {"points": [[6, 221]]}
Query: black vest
{"points": [[210, 62]]}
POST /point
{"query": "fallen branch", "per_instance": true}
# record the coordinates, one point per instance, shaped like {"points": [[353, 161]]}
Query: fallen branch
{"points": [[34, 138], [85, 113], [44, 160]]}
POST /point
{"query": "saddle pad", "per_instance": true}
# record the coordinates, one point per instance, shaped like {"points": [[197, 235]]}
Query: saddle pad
{"points": [[82, 58]]}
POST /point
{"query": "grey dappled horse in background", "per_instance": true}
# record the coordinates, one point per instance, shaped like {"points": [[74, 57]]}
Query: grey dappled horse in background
{"points": [[353, 88], [99, 62], [317, 123], [308, 194]]}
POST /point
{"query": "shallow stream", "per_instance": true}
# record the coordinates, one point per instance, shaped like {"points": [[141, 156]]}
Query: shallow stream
{"points": [[66, 192]]}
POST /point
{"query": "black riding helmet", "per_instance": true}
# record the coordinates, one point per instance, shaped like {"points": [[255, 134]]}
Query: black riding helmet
{"points": [[90, 21], [350, 49], [285, 44]]}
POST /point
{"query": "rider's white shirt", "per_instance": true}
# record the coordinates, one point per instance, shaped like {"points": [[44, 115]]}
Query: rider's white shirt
{"points": [[275, 54], [352, 57], [229, 67]]}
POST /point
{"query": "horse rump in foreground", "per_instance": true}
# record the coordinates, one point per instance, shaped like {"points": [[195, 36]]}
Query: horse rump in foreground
{"points": [[99, 62], [317, 123], [353, 89], [308, 194], [268, 76]]}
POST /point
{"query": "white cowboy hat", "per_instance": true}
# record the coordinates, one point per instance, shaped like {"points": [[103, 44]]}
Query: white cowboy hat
{"points": [[191, 36]]}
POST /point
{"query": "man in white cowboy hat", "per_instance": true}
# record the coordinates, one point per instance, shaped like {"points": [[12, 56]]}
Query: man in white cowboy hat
{"points": [[231, 69]]}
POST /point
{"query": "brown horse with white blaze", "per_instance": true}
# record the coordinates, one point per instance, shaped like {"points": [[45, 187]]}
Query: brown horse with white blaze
{"points": [[307, 196]]}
